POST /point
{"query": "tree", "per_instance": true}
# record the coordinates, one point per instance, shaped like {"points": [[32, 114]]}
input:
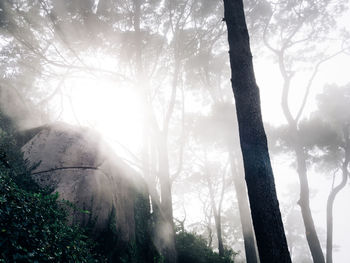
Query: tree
{"points": [[293, 33], [294, 226], [216, 206], [337, 112], [267, 221], [217, 128], [223, 115], [210, 68], [211, 177], [244, 210], [330, 149]]}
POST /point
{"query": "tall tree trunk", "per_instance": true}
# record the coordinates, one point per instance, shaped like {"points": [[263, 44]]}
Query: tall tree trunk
{"points": [[304, 203], [167, 227], [217, 219], [167, 233], [333, 194], [244, 212], [217, 215], [330, 204], [267, 221]]}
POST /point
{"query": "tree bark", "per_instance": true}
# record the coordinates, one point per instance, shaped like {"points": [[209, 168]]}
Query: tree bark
{"points": [[244, 213], [333, 194], [267, 221]]}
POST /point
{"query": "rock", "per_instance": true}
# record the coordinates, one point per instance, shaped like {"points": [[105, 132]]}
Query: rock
{"points": [[79, 165]]}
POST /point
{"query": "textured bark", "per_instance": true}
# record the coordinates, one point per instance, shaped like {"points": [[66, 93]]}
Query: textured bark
{"points": [[267, 221], [333, 194], [244, 213]]}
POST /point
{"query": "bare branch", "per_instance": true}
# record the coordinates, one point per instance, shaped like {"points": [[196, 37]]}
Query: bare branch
{"points": [[66, 168], [265, 36], [311, 79]]}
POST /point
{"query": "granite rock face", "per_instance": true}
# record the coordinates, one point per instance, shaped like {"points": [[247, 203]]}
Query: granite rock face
{"points": [[79, 165]]}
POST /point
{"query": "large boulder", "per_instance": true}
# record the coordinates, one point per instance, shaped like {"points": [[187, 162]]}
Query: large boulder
{"points": [[79, 165]]}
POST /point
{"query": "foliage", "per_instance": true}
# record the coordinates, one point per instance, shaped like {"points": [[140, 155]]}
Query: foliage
{"points": [[192, 248], [11, 157], [145, 249], [34, 227], [33, 224], [141, 250]]}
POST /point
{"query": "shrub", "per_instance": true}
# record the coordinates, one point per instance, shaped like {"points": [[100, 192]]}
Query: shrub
{"points": [[192, 248], [33, 224]]}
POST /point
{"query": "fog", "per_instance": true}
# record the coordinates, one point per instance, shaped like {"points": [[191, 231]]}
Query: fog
{"points": [[152, 77]]}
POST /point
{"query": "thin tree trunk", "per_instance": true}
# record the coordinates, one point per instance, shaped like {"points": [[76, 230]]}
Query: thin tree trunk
{"points": [[268, 226], [217, 219], [167, 228], [167, 233], [216, 212], [244, 212], [210, 236], [304, 203], [330, 204], [333, 194], [208, 218]]}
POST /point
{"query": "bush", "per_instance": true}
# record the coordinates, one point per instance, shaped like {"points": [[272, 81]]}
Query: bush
{"points": [[33, 228], [33, 224], [192, 248]]}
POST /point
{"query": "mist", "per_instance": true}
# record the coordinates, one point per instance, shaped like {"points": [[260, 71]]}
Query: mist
{"points": [[126, 109]]}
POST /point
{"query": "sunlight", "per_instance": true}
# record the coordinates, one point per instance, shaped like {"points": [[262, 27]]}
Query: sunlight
{"points": [[103, 104], [218, 131]]}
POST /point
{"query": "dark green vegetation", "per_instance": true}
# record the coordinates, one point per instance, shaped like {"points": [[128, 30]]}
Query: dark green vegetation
{"points": [[33, 227], [33, 224], [141, 250], [192, 248]]}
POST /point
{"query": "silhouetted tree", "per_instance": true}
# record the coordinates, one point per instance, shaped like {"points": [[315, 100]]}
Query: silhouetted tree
{"points": [[268, 226]]}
